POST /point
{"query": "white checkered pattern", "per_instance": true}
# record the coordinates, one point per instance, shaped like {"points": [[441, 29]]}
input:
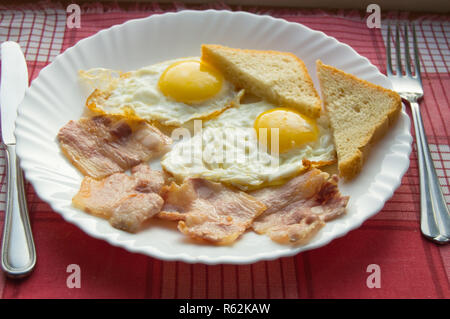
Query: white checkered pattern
{"points": [[39, 32], [441, 160]]}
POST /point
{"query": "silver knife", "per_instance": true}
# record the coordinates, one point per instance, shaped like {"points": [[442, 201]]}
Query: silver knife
{"points": [[18, 250]]}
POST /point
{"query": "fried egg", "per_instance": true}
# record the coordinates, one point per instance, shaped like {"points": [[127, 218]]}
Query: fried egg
{"points": [[253, 145], [171, 92]]}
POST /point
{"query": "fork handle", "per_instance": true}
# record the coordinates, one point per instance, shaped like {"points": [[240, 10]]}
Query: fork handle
{"points": [[434, 214], [18, 250]]}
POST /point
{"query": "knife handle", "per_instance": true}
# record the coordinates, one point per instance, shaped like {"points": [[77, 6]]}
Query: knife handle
{"points": [[18, 250]]}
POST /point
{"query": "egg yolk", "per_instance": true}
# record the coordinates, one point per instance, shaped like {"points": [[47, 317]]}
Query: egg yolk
{"points": [[294, 128], [190, 81]]}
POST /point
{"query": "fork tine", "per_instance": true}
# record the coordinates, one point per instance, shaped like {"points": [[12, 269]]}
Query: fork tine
{"points": [[398, 50], [416, 53], [388, 51], [407, 57]]}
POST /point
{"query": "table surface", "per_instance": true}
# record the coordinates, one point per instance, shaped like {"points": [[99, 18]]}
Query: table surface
{"points": [[408, 265]]}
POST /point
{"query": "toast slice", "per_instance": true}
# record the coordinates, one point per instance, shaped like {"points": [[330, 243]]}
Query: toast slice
{"points": [[279, 77], [360, 113]]}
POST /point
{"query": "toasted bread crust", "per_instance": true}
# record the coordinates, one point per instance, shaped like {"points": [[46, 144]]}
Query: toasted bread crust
{"points": [[312, 109], [352, 164]]}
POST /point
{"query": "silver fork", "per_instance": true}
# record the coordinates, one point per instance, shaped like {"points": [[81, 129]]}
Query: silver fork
{"points": [[434, 214]]}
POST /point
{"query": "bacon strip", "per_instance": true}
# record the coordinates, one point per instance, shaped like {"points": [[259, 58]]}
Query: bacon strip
{"points": [[297, 210], [209, 211], [104, 145], [126, 201]]}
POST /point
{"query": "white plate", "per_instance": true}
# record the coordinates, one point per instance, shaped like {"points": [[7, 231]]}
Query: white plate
{"points": [[55, 97]]}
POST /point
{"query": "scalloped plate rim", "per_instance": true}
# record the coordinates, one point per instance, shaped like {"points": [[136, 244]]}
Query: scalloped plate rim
{"points": [[355, 222]]}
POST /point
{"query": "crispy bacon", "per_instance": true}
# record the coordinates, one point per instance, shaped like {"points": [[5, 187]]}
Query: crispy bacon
{"points": [[297, 210], [126, 201], [209, 211], [103, 145]]}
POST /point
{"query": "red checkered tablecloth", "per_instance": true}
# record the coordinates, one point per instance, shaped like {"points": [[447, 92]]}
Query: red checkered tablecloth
{"points": [[409, 265]]}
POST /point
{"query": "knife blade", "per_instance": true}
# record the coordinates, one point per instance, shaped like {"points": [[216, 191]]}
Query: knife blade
{"points": [[18, 256], [14, 81]]}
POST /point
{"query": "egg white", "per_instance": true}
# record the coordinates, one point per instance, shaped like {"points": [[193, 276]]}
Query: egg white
{"points": [[137, 92]]}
